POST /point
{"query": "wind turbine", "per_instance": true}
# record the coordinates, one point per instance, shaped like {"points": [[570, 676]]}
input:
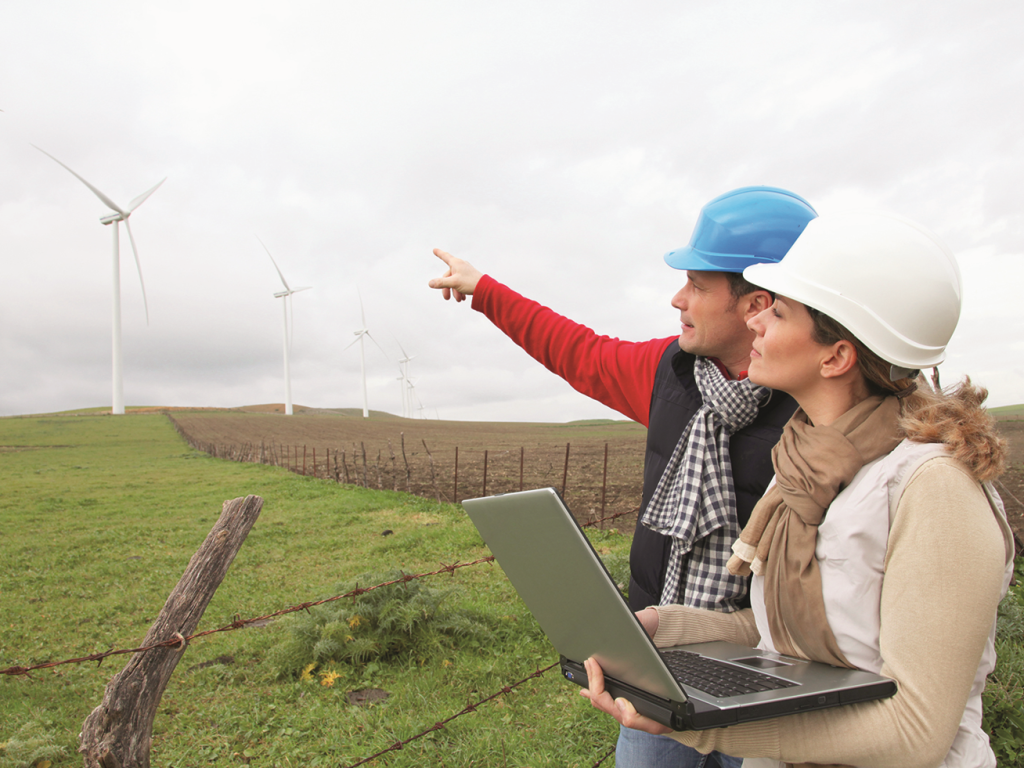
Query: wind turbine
{"points": [[403, 366], [362, 332], [286, 294], [120, 214]]}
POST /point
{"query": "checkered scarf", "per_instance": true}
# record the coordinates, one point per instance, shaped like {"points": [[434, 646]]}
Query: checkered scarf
{"points": [[695, 502]]}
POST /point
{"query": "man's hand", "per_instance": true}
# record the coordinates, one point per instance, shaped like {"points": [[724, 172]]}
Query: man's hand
{"points": [[620, 709], [459, 281]]}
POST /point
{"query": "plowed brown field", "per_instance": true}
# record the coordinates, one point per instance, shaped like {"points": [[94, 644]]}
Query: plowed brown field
{"points": [[419, 456]]}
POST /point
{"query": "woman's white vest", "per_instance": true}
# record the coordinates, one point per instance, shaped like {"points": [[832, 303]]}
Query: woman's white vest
{"points": [[851, 551]]}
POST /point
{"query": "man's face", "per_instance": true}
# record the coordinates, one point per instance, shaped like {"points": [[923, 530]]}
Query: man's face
{"points": [[713, 322]]}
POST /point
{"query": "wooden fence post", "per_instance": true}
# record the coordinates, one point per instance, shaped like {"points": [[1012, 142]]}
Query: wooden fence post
{"points": [[565, 472], [455, 494], [521, 454], [119, 732], [485, 474], [604, 481], [433, 480], [408, 474]]}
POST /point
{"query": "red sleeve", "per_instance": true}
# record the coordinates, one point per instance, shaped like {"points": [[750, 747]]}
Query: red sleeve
{"points": [[619, 374]]}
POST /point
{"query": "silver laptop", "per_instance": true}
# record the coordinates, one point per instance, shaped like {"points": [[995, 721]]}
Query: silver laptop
{"points": [[563, 582]]}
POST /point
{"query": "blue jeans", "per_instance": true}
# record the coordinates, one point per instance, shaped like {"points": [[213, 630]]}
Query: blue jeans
{"points": [[637, 749]]}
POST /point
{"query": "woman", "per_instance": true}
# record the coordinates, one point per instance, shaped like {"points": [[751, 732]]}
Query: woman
{"points": [[880, 544]]}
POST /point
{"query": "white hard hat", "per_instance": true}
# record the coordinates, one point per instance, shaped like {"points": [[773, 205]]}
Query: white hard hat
{"points": [[893, 284]]}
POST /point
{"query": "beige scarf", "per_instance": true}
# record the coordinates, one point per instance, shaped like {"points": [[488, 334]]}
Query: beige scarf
{"points": [[812, 465]]}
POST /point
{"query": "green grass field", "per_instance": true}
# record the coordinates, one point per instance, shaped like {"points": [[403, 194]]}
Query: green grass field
{"points": [[100, 516]]}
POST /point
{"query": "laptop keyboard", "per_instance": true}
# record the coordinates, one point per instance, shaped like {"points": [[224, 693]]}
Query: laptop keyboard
{"points": [[719, 678]]}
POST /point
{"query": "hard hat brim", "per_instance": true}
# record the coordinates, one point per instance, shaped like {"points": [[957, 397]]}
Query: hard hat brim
{"points": [[690, 258]]}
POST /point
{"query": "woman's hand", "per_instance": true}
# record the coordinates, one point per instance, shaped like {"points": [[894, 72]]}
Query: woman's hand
{"points": [[649, 619], [624, 712]]}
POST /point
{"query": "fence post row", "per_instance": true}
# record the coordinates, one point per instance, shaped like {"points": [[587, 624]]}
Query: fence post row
{"points": [[282, 455]]}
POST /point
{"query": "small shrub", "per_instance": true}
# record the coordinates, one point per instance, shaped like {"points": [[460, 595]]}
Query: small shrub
{"points": [[412, 619], [1003, 700]]}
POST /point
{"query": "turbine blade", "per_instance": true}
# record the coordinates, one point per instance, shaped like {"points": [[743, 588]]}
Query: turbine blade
{"points": [[106, 200], [138, 265], [358, 337], [144, 196], [362, 314], [275, 265], [303, 288], [405, 354], [378, 346]]}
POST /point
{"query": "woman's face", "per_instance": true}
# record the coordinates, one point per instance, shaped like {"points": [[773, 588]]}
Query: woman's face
{"points": [[785, 355]]}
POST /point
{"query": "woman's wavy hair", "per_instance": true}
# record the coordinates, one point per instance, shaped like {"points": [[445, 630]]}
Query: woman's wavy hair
{"points": [[954, 417]]}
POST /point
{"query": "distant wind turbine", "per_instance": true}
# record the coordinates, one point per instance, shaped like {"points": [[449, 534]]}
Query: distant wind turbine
{"points": [[286, 294], [120, 214], [403, 366], [364, 331]]}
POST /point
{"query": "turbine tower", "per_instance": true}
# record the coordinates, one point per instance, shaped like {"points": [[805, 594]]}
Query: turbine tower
{"points": [[286, 294], [120, 214], [360, 334]]}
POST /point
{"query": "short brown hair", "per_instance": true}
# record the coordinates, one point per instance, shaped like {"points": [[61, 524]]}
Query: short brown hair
{"points": [[739, 287]]}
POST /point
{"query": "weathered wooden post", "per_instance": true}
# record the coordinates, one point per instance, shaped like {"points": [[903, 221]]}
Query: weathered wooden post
{"points": [[565, 472], [604, 481], [455, 492], [485, 475], [119, 732], [522, 453]]}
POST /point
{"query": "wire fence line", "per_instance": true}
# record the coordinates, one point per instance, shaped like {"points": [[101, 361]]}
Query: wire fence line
{"points": [[597, 479], [180, 642], [465, 711]]}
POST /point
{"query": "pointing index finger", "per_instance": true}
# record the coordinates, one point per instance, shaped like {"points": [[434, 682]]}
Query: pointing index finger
{"points": [[444, 256]]}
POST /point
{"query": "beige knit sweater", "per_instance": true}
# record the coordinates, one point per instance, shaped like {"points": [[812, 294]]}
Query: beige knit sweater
{"points": [[943, 580]]}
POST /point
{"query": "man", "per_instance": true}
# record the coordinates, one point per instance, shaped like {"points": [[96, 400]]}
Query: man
{"points": [[710, 432]]}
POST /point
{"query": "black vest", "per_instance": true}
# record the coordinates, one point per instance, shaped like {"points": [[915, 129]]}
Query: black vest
{"points": [[674, 401]]}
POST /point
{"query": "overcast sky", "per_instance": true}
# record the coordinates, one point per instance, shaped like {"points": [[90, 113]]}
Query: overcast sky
{"points": [[562, 147]]}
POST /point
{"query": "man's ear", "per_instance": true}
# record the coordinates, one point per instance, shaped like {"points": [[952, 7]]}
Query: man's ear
{"points": [[841, 360], [756, 302]]}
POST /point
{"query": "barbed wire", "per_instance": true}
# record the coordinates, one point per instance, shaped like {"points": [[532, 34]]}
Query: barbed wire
{"points": [[465, 711], [182, 641]]}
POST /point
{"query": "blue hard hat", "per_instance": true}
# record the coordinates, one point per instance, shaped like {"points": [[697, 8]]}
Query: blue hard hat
{"points": [[750, 225]]}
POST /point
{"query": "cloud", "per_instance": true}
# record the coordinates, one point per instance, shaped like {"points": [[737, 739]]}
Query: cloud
{"points": [[561, 147]]}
